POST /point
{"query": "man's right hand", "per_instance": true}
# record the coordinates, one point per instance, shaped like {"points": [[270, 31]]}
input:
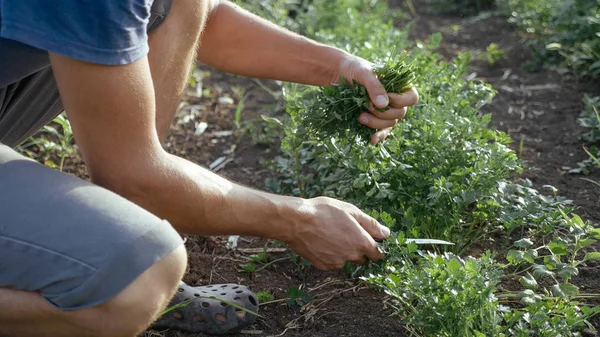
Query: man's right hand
{"points": [[330, 233]]}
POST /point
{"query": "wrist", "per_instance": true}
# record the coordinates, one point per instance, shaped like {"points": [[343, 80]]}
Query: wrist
{"points": [[289, 214], [342, 60]]}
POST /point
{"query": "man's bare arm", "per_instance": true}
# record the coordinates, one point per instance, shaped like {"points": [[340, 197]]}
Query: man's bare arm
{"points": [[112, 112], [239, 42]]}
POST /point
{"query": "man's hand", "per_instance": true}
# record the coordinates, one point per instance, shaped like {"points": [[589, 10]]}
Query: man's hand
{"points": [[330, 233], [361, 70]]}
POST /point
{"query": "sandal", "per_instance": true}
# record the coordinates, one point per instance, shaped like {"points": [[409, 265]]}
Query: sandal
{"points": [[210, 313]]}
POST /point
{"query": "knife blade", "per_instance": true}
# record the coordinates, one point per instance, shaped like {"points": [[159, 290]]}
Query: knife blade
{"points": [[423, 241]]}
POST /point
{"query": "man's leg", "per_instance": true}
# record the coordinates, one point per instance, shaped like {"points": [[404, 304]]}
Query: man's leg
{"points": [[26, 313], [76, 259]]}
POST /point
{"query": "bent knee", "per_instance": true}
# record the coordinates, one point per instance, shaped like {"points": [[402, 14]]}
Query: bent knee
{"points": [[156, 285], [142, 301]]}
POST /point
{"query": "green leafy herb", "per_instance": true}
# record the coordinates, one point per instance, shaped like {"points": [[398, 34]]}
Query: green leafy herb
{"points": [[333, 111]]}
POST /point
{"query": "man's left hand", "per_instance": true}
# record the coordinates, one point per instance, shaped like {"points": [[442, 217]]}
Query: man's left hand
{"points": [[361, 70]]}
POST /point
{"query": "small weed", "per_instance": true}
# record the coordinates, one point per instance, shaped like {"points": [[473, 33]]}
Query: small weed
{"points": [[254, 261], [238, 116], [264, 296], [62, 144], [248, 267], [588, 165], [296, 296], [493, 54]]}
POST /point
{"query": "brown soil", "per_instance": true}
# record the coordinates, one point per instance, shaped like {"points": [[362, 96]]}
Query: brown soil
{"points": [[539, 108]]}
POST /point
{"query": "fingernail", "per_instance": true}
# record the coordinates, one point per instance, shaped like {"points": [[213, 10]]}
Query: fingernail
{"points": [[385, 231], [381, 101], [378, 138], [364, 119]]}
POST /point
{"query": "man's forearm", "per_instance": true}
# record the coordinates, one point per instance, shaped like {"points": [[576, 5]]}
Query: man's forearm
{"points": [[198, 202], [239, 42]]}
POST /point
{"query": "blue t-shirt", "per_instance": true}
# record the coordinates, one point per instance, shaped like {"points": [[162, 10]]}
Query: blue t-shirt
{"points": [[109, 32]]}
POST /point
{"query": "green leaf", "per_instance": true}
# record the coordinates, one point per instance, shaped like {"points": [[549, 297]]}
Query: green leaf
{"points": [[558, 248], [566, 271], [551, 261], [525, 293], [371, 192], [528, 281], [454, 266], [593, 256], [271, 120], [523, 243], [585, 243], [577, 220], [541, 271], [515, 256], [530, 255], [411, 247], [564, 290], [527, 297]]}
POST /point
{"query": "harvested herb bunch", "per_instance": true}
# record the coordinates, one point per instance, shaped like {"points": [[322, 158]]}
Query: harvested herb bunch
{"points": [[333, 111]]}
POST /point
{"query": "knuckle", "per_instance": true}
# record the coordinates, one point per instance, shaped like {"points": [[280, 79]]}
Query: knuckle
{"points": [[365, 247], [414, 97]]}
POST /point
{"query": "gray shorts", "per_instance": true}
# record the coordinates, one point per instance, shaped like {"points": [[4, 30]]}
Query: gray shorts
{"points": [[75, 243]]}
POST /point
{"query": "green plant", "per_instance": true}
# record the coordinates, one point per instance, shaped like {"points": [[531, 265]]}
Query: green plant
{"points": [[60, 144], [264, 131], [493, 54], [588, 165], [255, 260], [545, 271], [297, 296], [440, 162], [590, 119], [519, 207], [560, 259], [264, 296], [443, 295]]}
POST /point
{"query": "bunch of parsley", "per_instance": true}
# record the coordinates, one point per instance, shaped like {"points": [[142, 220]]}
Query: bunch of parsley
{"points": [[333, 110]]}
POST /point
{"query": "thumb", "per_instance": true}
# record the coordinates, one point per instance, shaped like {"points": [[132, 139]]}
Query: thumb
{"points": [[372, 226], [376, 91]]}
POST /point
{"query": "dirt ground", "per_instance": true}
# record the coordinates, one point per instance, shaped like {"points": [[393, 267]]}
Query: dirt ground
{"points": [[538, 108]]}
